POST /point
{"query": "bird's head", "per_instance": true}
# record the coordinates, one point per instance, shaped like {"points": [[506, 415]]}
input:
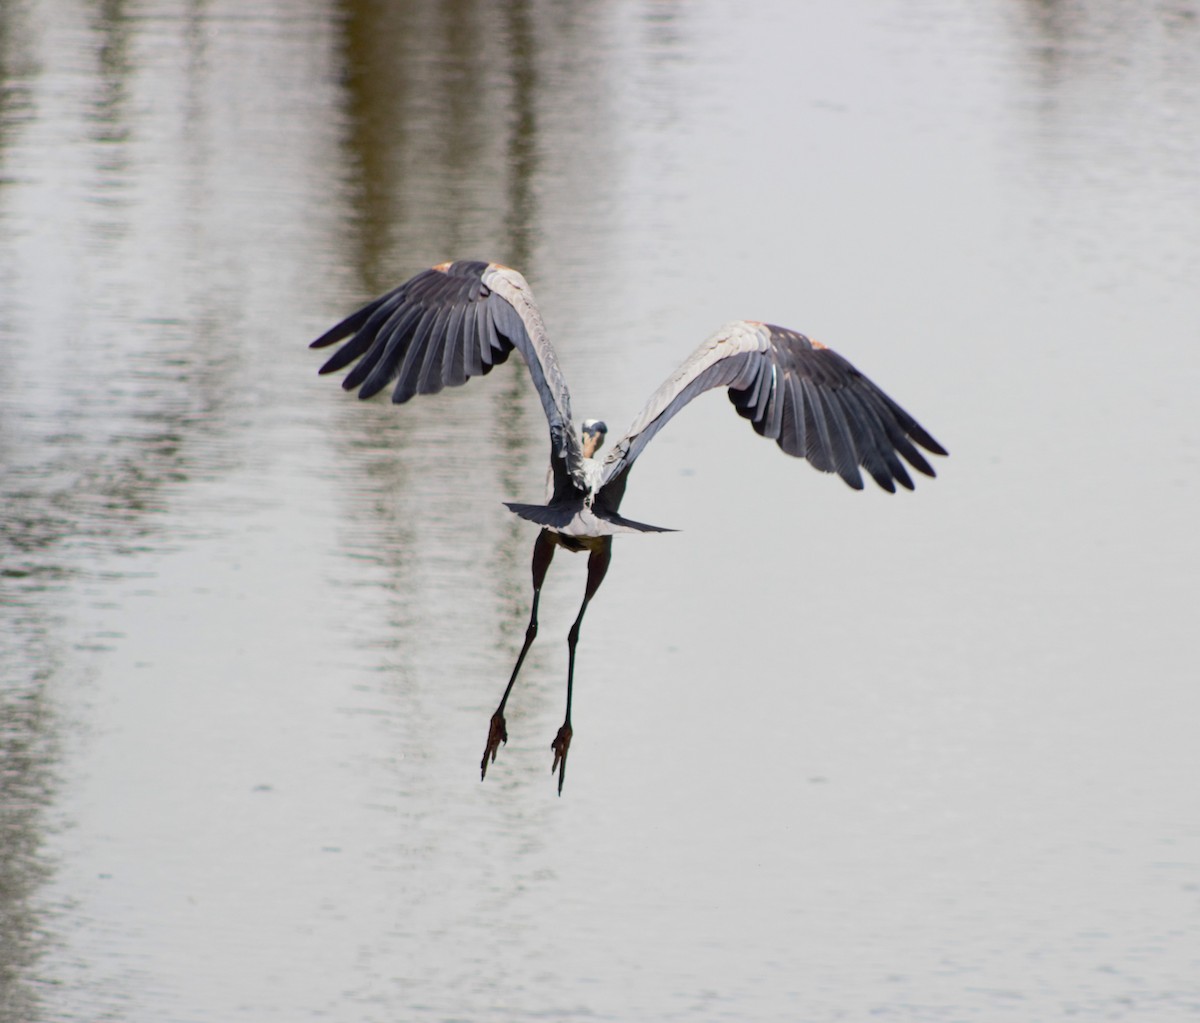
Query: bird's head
{"points": [[593, 431]]}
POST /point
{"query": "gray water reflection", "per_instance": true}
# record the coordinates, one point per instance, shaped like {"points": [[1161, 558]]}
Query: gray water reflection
{"points": [[838, 756]]}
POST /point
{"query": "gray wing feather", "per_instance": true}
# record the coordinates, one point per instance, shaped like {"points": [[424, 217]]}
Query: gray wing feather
{"points": [[446, 325], [804, 396]]}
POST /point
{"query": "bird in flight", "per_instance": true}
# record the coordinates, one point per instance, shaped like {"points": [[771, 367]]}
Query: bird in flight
{"points": [[458, 320]]}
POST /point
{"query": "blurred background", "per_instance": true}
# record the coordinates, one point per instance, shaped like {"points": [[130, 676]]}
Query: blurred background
{"points": [[837, 755]]}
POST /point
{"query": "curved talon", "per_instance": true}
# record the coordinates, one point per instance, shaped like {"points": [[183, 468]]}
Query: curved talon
{"points": [[497, 733], [560, 745]]}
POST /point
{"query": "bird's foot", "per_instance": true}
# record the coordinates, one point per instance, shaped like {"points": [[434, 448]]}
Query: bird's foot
{"points": [[560, 745], [497, 733]]}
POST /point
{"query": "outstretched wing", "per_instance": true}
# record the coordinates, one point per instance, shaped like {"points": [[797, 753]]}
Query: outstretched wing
{"points": [[797, 392], [446, 325]]}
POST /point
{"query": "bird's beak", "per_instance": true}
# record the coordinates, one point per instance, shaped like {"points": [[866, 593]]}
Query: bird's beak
{"points": [[593, 440]]}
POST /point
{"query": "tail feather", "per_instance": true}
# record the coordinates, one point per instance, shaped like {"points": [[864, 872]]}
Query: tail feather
{"points": [[580, 521]]}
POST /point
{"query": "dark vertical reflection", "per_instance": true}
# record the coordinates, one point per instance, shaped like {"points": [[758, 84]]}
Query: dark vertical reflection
{"points": [[17, 75], [441, 144], [515, 450], [93, 439], [1109, 103], [27, 656], [522, 155], [113, 68], [15, 100], [28, 752], [410, 90], [423, 87], [375, 85], [1105, 59]]}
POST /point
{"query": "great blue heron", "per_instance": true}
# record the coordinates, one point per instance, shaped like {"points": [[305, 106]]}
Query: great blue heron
{"points": [[458, 320]]}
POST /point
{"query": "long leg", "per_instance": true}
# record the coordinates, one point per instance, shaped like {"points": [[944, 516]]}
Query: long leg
{"points": [[597, 566], [543, 554]]}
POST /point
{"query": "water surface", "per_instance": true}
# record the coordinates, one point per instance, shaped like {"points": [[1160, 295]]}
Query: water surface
{"points": [[836, 756]]}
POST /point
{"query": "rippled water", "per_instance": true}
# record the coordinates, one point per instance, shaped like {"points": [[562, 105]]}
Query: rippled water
{"points": [[837, 755]]}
